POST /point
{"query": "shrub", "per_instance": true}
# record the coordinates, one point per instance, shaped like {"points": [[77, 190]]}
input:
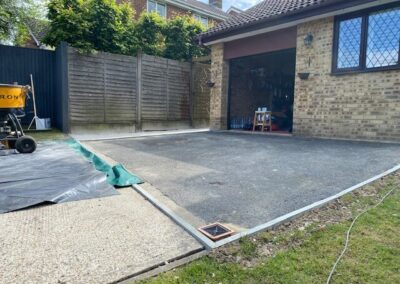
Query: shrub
{"points": [[180, 34]]}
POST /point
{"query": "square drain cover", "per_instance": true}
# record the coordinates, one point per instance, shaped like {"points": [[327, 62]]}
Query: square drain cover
{"points": [[216, 231]]}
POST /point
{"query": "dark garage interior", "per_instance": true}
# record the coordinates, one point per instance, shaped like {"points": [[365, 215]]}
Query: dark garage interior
{"points": [[262, 81]]}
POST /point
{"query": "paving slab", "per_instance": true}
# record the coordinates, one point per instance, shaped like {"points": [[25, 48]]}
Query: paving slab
{"points": [[90, 241], [248, 180]]}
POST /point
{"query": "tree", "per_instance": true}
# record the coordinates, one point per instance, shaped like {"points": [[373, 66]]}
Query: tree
{"points": [[92, 25], [21, 34], [180, 34], [12, 16], [69, 22], [111, 26], [106, 26], [149, 31]]}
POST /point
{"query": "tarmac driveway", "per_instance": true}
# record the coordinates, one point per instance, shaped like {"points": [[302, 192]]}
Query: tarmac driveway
{"points": [[247, 180]]}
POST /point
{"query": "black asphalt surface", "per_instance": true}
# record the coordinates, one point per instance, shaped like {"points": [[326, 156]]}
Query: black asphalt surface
{"points": [[248, 180]]}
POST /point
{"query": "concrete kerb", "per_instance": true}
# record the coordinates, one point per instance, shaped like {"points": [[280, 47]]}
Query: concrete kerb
{"points": [[178, 220], [271, 224], [275, 222], [162, 267]]}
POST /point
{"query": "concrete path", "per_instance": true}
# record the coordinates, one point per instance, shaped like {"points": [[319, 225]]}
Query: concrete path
{"points": [[248, 180], [90, 241]]}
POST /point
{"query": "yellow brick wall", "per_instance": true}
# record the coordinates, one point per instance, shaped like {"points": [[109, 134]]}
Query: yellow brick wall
{"points": [[219, 92], [357, 106]]}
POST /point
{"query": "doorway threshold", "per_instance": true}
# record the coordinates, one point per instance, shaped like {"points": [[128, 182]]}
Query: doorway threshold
{"points": [[273, 133]]}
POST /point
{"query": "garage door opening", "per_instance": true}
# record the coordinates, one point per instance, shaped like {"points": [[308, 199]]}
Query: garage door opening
{"points": [[262, 82]]}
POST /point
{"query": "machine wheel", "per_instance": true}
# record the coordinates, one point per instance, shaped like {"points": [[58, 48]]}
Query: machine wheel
{"points": [[11, 144], [25, 145]]}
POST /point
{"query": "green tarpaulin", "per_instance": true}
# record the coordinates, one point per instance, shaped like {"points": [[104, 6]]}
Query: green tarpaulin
{"points": [[116, 175]]}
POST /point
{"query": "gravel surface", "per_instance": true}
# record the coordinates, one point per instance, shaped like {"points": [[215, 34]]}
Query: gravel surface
{"points": [[90, 241]]}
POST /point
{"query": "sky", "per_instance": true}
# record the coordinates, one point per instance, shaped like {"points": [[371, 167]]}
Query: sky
{"points": [[241, 4]]}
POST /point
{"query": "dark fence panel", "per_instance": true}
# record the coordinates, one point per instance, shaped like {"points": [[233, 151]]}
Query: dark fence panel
{"points": [[16, 65]]}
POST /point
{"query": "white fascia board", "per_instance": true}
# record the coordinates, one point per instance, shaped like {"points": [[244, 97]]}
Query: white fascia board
{"points": [[301, 21]]}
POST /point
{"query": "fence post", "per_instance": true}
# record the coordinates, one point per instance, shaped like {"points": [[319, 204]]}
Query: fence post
{"points": [[167, 88], [139, 92], [63, 87], [191, 93]]}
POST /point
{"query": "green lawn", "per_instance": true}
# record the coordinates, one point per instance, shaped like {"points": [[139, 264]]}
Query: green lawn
{"points": [[303, 251], [47, 135]]}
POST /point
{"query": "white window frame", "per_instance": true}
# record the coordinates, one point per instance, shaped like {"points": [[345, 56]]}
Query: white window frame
{"points": [[157, 4], [200, 18]]}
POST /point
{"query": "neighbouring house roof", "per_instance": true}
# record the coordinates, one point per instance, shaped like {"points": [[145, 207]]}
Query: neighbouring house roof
{"points": [[201, 7], [37, 29], [233, 10], [275, 12]]}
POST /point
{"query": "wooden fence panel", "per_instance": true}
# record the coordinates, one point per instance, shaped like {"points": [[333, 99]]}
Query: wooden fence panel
{"points": [[154, 88], [120, 88], [165, 89], [178, 90], [102, 88], [86, 87], [77, 89]]}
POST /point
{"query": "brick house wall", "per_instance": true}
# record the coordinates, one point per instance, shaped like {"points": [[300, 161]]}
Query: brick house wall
{"points": [[219, 92], [140, 6], [362, 106], [173, 11]]}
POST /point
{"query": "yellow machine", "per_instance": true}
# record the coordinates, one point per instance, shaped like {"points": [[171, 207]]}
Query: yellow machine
{"points": [[12, 96], [12, 104]]}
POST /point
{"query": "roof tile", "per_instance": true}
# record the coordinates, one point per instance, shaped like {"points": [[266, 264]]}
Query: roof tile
{"points": [[265, 10], [207, 7]]}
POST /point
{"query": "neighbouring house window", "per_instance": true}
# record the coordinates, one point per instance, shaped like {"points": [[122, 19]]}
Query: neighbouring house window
{"points": [[201, 19], [159, 8], [367, 41]]}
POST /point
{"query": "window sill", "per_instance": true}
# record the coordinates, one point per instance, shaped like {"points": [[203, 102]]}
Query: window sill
{"points": [[371, 70]]}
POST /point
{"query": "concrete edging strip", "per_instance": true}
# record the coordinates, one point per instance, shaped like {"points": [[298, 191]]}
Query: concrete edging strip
{"points": [[163, 267], [178, 220], [305, 209], [211, 245]]}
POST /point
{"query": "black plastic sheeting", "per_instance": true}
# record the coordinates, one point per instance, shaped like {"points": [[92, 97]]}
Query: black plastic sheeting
{"points": [[53, 173]]}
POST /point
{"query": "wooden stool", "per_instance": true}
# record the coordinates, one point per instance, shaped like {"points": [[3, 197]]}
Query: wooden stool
{"points": [[263, 119]]}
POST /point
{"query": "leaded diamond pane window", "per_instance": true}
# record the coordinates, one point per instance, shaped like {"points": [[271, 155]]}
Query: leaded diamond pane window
{"points": [[349, 43], [383, 38], [367, 40]]}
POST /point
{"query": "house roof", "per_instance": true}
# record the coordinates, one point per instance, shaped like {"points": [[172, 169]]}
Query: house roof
{"points": [[37, 29], [201, 7], [274, 12], [233, 9]]}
